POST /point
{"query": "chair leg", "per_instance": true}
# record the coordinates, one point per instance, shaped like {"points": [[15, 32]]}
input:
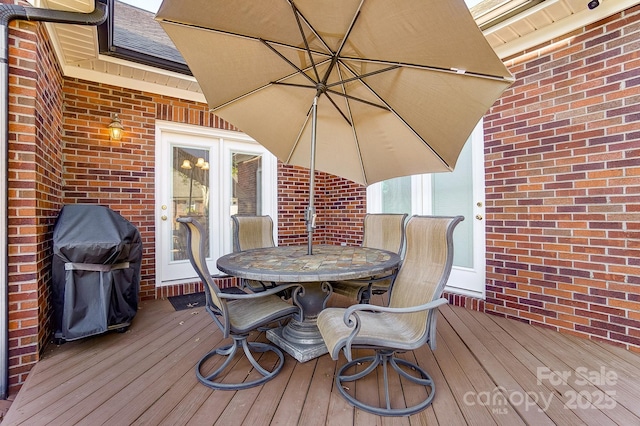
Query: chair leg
{"points": [[364, 295], [383, 359], [229, 352]]}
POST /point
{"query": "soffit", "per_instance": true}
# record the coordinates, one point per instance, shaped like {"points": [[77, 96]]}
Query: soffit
{"points": [[76, 47], [534, 23], [538, 21]]}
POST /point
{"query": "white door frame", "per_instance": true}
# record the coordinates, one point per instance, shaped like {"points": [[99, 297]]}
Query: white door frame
{"points": [[461, 277], [221, 143], [465, 281]]}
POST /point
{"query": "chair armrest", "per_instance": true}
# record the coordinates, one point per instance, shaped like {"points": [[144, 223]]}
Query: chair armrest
{"points": [[352, 320], [352, 310]]}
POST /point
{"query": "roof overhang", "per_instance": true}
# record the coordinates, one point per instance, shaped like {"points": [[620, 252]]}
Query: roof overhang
{"points": [[510, 26]]}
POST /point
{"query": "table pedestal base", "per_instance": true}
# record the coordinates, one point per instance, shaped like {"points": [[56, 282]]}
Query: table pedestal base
{"points": [[302, 339], [303, 352]]}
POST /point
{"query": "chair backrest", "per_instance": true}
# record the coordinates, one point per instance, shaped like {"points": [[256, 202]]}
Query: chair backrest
{"points": [[196, 251], [384, 231], [250, 232], [426, 266]]}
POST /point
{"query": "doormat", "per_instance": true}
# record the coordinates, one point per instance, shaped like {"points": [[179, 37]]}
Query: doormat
{"points": [[196, 300]]}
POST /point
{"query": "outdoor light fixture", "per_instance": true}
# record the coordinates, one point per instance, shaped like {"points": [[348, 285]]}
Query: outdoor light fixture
{"points": [[188, 165], [115, 128], [201, 164]]}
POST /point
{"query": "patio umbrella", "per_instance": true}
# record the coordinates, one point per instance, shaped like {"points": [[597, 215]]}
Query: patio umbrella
{"points": [[364, 89]]}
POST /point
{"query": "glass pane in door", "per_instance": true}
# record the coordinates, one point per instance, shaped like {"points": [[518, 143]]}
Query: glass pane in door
{"points": [[246, 182], [190, 194], [453, 195], [396, 195]]}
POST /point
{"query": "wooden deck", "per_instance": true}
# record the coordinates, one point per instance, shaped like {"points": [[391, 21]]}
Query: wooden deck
{"points": [[487, 370]]}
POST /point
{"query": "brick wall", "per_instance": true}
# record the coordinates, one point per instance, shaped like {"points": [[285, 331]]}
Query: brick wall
{"points": [[563, 185], [48, 175], [340, 207], [34, 165], [344, 204], [293, 197]]}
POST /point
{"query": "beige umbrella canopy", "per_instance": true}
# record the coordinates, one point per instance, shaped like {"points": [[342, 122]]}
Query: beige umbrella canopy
{"points": [[364, 89]]}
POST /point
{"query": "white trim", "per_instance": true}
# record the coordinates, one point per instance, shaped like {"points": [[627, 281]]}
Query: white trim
{"points": [[562, 27], [129, 83], [147, 68], [192, 129], [520, 16], [482, 295]]}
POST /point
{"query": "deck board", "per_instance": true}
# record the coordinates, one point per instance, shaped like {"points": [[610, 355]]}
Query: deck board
{"points": [[146, 376], [477, 376], [556, 363], [531, 397]]}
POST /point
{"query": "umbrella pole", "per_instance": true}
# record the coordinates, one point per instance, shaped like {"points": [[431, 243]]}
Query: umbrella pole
{"points": [[310, 214]]}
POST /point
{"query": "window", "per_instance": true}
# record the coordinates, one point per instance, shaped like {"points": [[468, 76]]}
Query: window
{"points": [[131, 33]]}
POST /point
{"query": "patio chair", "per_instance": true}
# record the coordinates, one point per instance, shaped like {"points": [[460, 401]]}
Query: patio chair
{"points": [[252, 232], [381, 231], [236, 315], [406, 324]]}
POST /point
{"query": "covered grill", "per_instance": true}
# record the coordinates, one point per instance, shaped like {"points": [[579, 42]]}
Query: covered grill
{"points": [[96, 271]]}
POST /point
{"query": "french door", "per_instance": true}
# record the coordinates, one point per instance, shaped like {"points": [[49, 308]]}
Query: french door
{"points": [[207, 174], [460, 192]]}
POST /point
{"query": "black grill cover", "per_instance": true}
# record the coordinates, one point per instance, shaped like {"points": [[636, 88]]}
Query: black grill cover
{"points": [[96, 271]]}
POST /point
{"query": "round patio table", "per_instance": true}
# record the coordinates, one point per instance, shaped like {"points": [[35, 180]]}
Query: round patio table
{"points": [[291, 264]]}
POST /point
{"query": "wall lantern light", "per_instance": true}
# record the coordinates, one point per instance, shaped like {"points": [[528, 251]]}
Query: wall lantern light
{"points": [[115, 128]]}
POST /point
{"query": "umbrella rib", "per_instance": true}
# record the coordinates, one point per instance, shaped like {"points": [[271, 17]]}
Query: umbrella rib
{"points": [[313, 30], [356, 141], [302, 86], [427, 67], [337, 107], [244, 36], [348, 32], [399, 117], [294, 66], [344, 95], [360, 77], [280, 82], [257, 89], [297, 140], [336, 55], [304, 39]]}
